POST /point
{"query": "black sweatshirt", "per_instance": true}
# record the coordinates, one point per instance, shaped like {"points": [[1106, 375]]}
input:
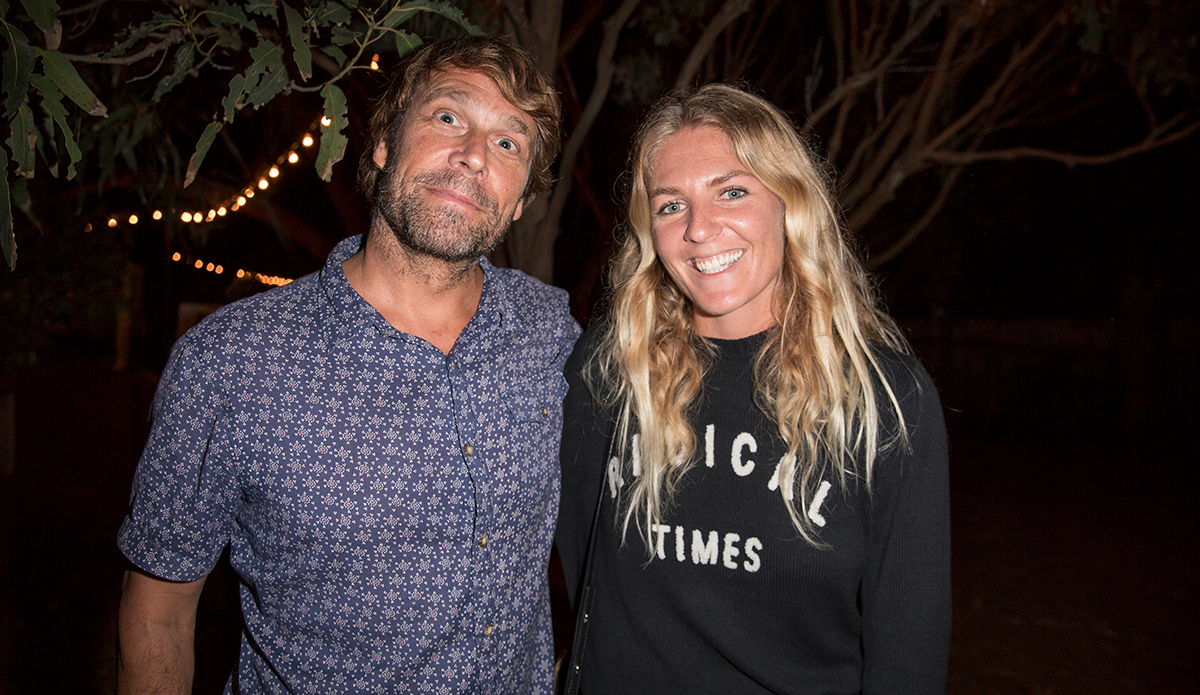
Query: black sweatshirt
{"points": [[732, 599]]}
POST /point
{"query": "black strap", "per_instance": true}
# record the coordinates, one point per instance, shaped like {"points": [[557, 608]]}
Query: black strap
{"points": [[584, 609]]}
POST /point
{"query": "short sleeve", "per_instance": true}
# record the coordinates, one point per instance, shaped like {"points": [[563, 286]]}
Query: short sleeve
{"points": [[185, 491]]}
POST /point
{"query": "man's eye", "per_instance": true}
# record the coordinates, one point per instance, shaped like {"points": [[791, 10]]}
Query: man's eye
{"points": [[507, 144], [447, 118]]}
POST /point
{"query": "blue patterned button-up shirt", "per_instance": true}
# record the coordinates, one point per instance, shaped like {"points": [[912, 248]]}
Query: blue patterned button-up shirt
{"points": [[389, 508]]}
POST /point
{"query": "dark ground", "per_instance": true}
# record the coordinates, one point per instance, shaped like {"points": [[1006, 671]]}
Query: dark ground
{"points": [[1075, 558]]}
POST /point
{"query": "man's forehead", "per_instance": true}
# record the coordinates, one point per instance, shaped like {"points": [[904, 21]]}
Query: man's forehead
{"points": [[475, 88]]}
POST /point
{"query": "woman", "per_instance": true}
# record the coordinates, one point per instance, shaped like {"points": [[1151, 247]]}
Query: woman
{"points": [[775, 512]]}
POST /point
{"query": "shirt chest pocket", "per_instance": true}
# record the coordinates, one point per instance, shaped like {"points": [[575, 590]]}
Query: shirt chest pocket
{"points": [[536, 404]]}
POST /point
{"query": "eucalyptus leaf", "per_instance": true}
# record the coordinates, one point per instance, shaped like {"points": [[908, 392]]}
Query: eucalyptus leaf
{"points": [[59, 69], [334, 13], [273, 75], [223, 13], [337, 54], [202, 145], [265, 8], [185, 58], [333, 140], [158, 22], [342, 36], [237, 88], [406, 43], [22, 139], [301, 52], [445, 9], [42, 12], [47, 146], [20, 196], [7, 241], [52, 103], [18, 64]]}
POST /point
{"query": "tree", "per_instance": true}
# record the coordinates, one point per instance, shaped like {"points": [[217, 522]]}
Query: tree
{"points": [[899, 95], [251, 52], [902, 95]]}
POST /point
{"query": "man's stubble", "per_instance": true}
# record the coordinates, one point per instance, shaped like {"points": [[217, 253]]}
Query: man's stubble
{"points": [[443, 231]]}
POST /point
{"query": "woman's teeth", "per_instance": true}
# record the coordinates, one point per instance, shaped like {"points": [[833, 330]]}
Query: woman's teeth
{"points": [[717, 263]]}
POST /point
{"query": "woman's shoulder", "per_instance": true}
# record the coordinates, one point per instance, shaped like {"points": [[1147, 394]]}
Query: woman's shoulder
{"points": [[586, 347], [909, 382]]}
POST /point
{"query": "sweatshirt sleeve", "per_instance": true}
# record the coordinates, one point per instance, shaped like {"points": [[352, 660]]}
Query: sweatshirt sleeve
{"points": [[906, 585], [584, 445]]}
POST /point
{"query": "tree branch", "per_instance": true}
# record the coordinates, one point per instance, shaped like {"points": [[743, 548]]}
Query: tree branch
{"points": [[548, 227], [172, 38], [731, 10], [934, 209], [1158, 137], [865, 77]]}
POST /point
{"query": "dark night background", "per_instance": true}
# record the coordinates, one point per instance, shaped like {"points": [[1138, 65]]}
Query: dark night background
{"points": [[1056, 308]]}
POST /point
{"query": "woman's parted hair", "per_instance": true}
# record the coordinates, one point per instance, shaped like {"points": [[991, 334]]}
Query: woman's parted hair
{"points": [[518, 78], [815, 372]]}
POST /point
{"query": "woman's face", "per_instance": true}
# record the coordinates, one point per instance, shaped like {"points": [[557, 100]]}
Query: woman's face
{"points": [[718, 231]]}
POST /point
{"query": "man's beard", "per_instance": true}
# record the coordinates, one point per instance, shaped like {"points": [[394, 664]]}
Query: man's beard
{"points": [[442, 232]]}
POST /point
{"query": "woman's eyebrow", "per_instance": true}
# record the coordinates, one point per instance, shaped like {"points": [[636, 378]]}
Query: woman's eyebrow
{"points": [[712, 183]]}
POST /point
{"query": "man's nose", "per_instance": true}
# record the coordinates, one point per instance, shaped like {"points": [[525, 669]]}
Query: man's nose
{"points": [[471, 153]]}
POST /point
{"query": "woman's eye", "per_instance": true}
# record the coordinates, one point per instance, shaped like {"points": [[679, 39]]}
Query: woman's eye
{"points": [[670, 208], [735, 193]]}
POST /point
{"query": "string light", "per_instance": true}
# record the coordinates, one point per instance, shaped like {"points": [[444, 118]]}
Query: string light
{"points": [[236, 201], [217, 269], [232, 204]]}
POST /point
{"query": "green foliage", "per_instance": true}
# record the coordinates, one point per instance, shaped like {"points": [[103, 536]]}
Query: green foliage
{"points": [[290, 43], [333, 141]]}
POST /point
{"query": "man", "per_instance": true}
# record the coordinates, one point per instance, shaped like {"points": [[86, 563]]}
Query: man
{"points": [[377, 442]]}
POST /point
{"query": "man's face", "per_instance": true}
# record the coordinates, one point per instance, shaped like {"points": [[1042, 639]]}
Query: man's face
{"points": [[456, 168]]}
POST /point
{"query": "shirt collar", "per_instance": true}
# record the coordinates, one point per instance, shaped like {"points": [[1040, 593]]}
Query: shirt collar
{"points": [[495, 305]]}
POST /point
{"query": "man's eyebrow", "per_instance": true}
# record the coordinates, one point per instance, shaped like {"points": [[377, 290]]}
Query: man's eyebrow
{"points": [[712, 183], [462, 96]]}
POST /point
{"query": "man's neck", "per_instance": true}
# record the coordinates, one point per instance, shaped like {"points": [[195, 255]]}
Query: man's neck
{"points": [[416, 293]]}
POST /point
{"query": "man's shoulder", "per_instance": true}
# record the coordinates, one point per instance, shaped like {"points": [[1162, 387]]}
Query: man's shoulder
{"points": [[255, 319], [537, 304]]}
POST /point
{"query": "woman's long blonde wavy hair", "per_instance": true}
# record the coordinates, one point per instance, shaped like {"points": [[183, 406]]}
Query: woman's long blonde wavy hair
{"points": [[815, 374]]}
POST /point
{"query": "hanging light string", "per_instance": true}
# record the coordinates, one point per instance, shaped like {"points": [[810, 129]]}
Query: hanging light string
{"points": [[210, 267], [233, 203]]}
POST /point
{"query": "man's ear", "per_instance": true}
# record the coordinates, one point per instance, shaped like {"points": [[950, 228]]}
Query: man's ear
{"points": [[380, 155], [518, 209]]}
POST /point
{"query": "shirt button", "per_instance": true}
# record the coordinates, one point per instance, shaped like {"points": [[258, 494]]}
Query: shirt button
{"points": [[483, 541], [488, 630], [545, 411], [453, 364], [468, 449]]}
